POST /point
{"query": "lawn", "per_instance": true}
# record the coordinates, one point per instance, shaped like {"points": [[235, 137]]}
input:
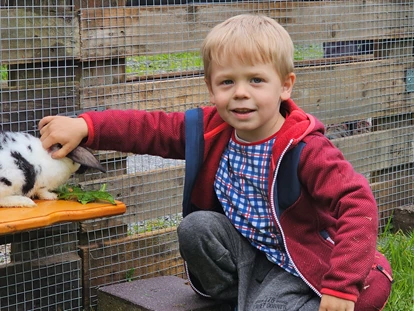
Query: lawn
{"points": [[399, 249], [146, 65]]}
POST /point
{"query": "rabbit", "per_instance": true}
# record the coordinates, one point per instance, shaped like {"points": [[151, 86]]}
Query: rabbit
{"points": [[28, 171]]}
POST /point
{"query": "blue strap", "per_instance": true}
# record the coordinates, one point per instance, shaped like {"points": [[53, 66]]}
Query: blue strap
{"points": [[194, 153]]}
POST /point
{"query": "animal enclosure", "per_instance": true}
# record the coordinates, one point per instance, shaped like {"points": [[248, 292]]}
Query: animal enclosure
{"points": [[355, 71]]}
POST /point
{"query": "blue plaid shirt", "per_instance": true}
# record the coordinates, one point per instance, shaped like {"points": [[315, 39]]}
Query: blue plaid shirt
{"points": [[241, 185]]}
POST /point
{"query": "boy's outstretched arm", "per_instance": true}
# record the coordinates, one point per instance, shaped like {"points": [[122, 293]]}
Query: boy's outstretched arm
{"points": [[69, 132], [332, 303]]}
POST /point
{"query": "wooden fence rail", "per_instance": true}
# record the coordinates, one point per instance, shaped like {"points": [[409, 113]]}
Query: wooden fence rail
{"points": [[86, 46]]}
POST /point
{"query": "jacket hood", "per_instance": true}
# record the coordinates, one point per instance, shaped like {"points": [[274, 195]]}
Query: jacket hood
{"points": [[297, 125]]}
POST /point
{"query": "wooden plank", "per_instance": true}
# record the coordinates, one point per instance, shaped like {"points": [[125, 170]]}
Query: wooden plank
{"points": [[31, 284], [160, 29], [148, 195], [392, 194], [28, 36], [139, 256], [79, 4], [47, 5], [368, 90], [168, 95], [30, 75], [358, 90], [23, 108], [375, 151]]}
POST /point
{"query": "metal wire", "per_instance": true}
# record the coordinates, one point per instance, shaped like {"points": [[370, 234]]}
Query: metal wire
{"points": [[354, 66]]}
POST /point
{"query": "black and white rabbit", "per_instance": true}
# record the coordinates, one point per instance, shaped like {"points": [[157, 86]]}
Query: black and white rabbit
{"points": [[28, 171]]}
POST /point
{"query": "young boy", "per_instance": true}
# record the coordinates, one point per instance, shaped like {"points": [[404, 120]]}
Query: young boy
{"points": [[276, 218]]}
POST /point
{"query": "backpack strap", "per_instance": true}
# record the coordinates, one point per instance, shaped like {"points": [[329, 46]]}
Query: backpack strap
{"points": [[287, 191], [194, 153]]}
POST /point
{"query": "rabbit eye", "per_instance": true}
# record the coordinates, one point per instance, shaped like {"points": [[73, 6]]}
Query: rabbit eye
{"points": [[5, 181], [29, 148]]}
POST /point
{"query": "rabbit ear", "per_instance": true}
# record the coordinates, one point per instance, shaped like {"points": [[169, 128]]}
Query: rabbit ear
{"points": [[85, 157]]}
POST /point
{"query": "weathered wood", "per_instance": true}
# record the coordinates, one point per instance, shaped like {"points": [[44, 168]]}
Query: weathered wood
{"points": [[101, 72], [80, 4], [392, 194], [40, 284], [27, 36], [139, 256], [393, 48], [365, 92], [37, 102], [161, 29], [99, 230], [361, 90], [44, 243], [147, 195], [375, 151], [403, 218], [31, 75]]}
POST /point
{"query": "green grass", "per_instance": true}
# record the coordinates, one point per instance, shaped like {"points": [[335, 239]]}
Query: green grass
{"points": [[306, 52], [154, 224], [163, 63], [186, 61], [3, 73], [146, 65], [399, 250]]}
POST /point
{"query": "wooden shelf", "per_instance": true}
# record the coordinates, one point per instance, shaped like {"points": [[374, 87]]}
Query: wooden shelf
{"points": [[47, 213]]}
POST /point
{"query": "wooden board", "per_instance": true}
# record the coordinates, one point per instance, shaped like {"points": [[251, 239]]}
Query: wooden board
{"points": [[118, 260], [22, 108], [149, 194], [378, 150], [161, 29], [28, 36], [17, 219], [363, 90]]}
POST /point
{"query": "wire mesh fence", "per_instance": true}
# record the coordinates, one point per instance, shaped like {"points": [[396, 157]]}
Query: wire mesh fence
{"points": [[355, 72]]}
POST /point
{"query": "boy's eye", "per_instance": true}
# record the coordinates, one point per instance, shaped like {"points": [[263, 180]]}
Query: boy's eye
{"points": [[227, 82], [257, 80]]}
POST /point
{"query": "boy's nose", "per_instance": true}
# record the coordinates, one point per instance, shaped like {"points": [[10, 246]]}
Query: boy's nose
{"points": [[241, 91]]}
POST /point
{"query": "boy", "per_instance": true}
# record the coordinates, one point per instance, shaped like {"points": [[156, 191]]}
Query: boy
{"points": [[276, 218]]}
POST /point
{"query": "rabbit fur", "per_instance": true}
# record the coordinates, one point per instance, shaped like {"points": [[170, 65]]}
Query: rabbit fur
{"points": [[27, 170]]}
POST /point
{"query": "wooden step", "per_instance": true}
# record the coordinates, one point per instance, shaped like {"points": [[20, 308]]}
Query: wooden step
{"points": [[165, 293]]}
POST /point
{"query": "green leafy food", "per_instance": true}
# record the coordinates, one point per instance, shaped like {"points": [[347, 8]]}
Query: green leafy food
{"points": [[72, 192]]}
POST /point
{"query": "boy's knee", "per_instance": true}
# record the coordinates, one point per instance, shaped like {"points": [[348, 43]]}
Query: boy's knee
{"points": [[197, 222]]}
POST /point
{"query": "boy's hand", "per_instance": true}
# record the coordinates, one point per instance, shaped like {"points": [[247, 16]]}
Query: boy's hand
{"points": [[69, 132], [331, 303]]}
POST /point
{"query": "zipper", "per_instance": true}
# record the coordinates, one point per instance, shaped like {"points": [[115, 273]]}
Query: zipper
{"points": [[272, 205], [383, 271]]}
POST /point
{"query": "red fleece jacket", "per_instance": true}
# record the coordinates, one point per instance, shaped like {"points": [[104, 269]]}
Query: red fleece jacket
{"points": [[334, 198]]}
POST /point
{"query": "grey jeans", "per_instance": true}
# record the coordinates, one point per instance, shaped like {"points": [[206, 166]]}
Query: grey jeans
{"points": [[227, 267]]}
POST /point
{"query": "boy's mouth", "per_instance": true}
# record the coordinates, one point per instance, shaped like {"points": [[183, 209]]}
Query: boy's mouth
{"points": [[242, 110]]}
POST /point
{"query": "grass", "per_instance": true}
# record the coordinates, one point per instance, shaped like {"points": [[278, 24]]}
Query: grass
{"points": [[163, 63], [146, 65], [186, 61], [399, 250], [3, 73], [149, 225]]}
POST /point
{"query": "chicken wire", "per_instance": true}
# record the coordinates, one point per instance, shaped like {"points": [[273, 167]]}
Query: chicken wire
{"points": [[354, 67]]}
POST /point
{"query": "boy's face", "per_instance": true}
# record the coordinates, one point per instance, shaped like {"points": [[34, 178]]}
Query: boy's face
{"points": [[248, 97]]}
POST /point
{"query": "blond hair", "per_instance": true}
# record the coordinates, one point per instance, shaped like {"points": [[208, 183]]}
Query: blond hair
{"points": [[248, 39]]}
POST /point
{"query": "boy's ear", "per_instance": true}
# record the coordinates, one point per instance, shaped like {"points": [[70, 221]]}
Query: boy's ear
{"points": [[287, 86], [210, 91]]}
